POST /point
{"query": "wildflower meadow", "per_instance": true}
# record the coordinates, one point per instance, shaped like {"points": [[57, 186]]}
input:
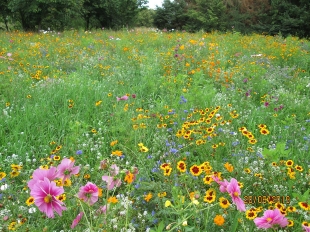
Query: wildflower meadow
{"points": [[148, 130]]}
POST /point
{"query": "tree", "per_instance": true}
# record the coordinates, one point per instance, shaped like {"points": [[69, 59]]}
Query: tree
{"points": [[171, 15], [206, 14], [5, 13], [32, 13]]}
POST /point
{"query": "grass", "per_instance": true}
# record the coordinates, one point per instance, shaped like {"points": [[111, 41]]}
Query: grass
{"points": [[196, 106]]}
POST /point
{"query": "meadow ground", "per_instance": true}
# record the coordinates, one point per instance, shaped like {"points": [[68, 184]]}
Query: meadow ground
{"points": [[154, 131]]}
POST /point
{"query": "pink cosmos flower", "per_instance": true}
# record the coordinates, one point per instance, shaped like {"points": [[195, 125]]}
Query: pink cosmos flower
{"points": [[124, 98], [114, 170], [89, 193], [234, 191], [223, 184], [40, 174], [77, 220], [271, 218], [66, 169], [45, 193], [306, 228], [111, 182], [103, 209]]}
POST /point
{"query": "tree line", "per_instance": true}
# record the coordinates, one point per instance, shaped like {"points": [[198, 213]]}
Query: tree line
{"points": [[287, 17]]}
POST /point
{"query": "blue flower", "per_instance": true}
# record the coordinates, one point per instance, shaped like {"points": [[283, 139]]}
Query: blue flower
{"points": [[79, 152]]}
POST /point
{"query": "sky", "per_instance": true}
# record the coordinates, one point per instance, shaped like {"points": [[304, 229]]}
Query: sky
{"points": [[152, 3]]}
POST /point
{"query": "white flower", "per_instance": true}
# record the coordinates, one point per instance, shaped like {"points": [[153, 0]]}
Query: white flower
{"points": [[32, 210], [4, 187]]}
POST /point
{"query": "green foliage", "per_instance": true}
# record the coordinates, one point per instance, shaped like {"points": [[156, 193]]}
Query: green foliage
{"points": [[207, 15], [145, 18]]}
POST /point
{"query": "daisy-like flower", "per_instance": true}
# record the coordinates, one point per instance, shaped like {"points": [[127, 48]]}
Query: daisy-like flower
{"points": [[167, 171], [304, 205], [89, 193], [270, 219], [264, 131], [181, 166], [40, 174], [289, 163], [77, 220], [148, 197], [207, 179], [195, 170], [30, 201], [123, 98], [224, 203], [251, 214], [45, 193], [113, 200], [111, 182], [305, 226], [66, 169], [234, 191], [219, 220], [229, 167]]}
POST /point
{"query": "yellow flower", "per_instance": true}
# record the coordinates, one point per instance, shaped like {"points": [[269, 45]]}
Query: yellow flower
{"points": [[30, 201], [219, 220], [117, 153], [168, 203], [163, 194], [195, 170], [14, 173], [2, 175], [148, 197], [113, 200], [229, 167], [129, 177], [113, 143], [224, 203], [304, 205], [98, 103], [251, 214]]}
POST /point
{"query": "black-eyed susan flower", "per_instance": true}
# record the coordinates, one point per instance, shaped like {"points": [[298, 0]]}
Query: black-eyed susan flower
{"points": [[299, 168], [304, 205], [164, 165], [207, 179], [56, 157], [181, 166], [224, 203], [264, 131], [14, 173], [252, 141], [250, 214], [291, 209], [289, 163], [247, 170], [30, 201], [86, 176], [2, 175], [61, 197], [290, 223], [195, 170], [167, 171]]}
